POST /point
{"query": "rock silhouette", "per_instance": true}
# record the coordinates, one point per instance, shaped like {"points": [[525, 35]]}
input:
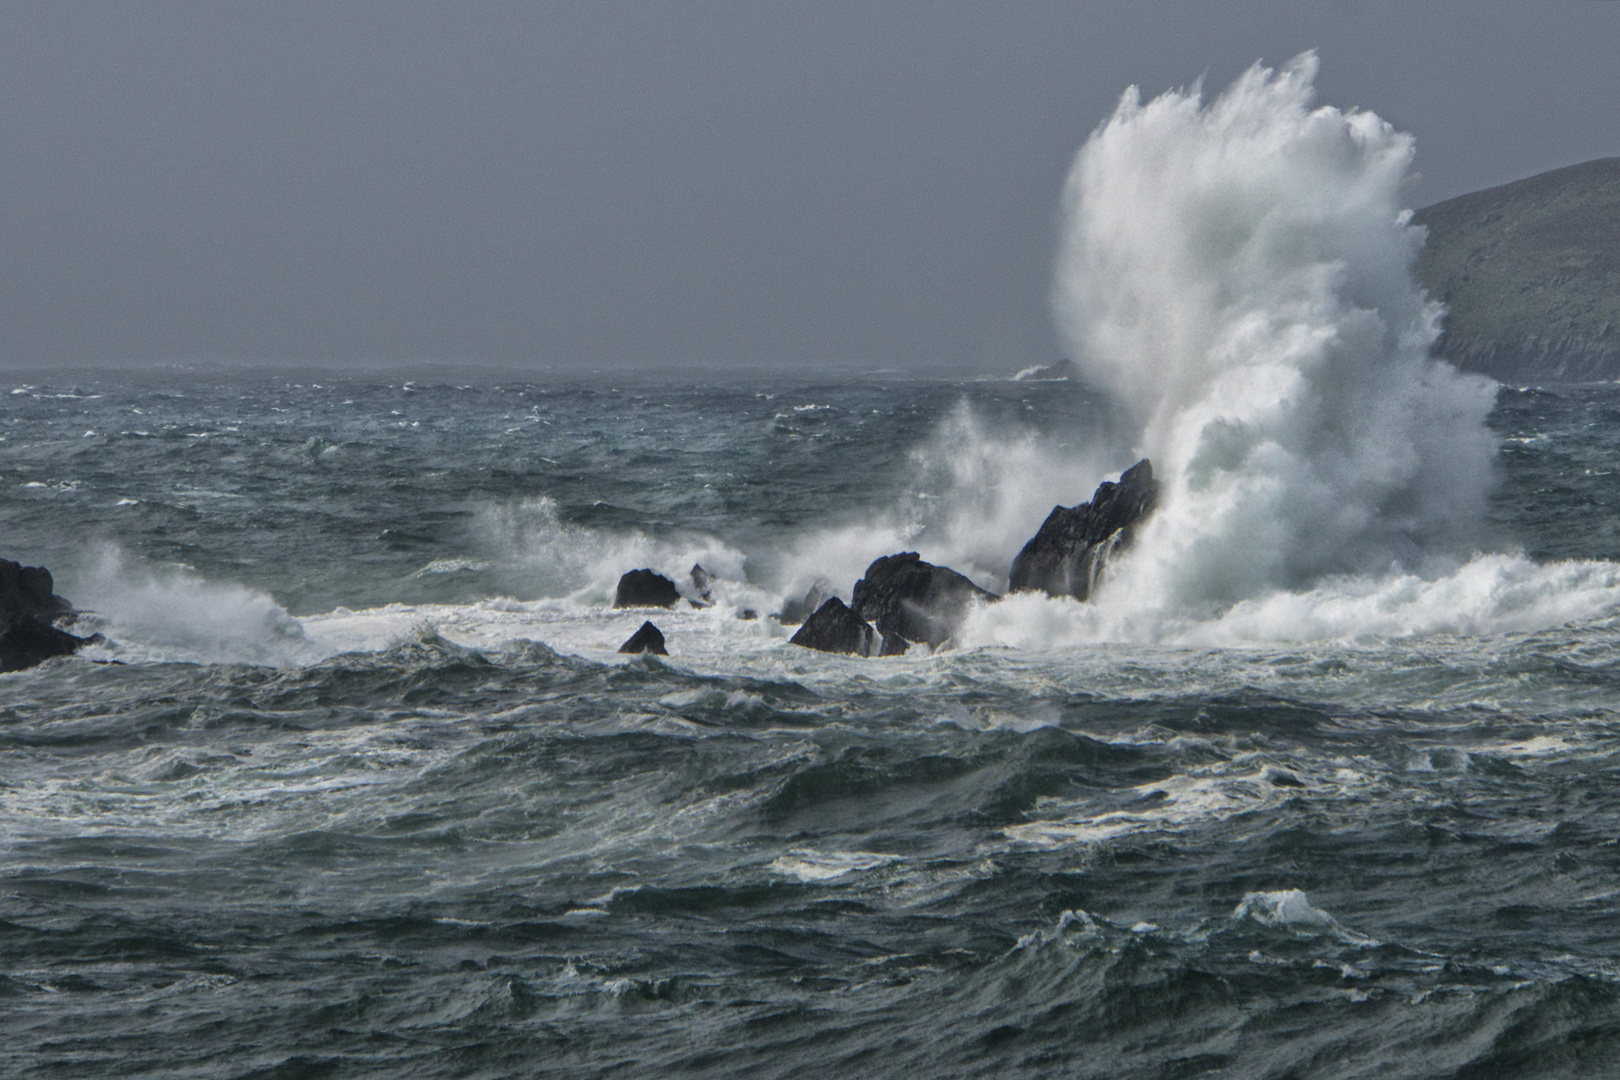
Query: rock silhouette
{"points": [[835, 628], [645, 588], [28, 603], [648, 639]]}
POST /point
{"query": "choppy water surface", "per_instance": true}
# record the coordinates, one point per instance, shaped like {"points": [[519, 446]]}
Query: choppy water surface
{"points": [[371, 794]]}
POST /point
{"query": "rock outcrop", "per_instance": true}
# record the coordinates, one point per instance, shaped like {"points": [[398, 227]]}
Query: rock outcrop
{"points": [[28, 604], [1067, 555], [904, 597], [645, 588], [835, 628], [648, 639]]}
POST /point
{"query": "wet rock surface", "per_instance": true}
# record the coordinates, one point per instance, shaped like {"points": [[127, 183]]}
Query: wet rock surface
{"points": [[905, 597], [1067, 556]]}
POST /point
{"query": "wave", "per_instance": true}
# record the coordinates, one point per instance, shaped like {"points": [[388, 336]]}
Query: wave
{"points": [[172, 614]]}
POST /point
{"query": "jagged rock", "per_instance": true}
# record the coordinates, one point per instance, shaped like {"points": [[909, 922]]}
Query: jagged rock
{"points": [[648, 639], [1069, 552], [27, 606], [904, 597], [747, 614], [797, 611], [645, 588], [836, 629]]}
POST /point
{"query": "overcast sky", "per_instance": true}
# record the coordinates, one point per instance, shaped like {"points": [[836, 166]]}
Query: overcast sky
{"points": [[551, 186]]}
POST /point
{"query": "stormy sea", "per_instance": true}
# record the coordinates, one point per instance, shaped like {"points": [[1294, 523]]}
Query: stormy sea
{"points": [[1323, 780]]}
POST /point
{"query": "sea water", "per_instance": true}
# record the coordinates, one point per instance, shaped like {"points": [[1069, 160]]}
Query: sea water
{"points": [[1322, 783]]}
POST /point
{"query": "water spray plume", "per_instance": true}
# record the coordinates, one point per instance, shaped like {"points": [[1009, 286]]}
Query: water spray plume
{"points": [[1237, 273]]}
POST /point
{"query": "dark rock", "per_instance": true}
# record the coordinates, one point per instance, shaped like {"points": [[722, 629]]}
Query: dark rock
{"points": [[28, 590], [1059, 372], [894, 645], [27, 641], [1069, 552], [797, 611], [907, 598], [645, 588], [747, 614], [648, 639], [27, 606], [836, 629], [700, 581]]}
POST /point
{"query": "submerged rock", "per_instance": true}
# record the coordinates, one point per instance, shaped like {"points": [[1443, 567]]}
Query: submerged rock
{"points": [[1067, 555], [648, 639], [28, 604], [835, 628], [645, 588], [904, 597]]}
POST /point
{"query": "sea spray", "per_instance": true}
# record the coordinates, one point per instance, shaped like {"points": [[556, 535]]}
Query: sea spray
{"points": [[974, 490], [543, 555], [1237, 273], [171, 613]]}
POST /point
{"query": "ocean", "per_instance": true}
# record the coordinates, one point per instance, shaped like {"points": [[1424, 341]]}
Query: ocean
{"points": [[1321, 783]]}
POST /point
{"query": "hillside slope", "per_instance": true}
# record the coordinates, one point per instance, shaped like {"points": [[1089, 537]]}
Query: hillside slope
{"points": [[1530, 275]]}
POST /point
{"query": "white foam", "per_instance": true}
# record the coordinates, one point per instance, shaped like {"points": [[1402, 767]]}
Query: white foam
{"points": [[813, 867], [1489, 594], [1175, 804], [1288, 907]]}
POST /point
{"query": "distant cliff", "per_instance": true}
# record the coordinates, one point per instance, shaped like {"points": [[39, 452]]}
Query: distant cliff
{"points": [[1530, 275]]}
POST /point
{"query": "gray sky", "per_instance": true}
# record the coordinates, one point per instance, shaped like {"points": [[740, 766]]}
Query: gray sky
{"points": [[605, 185]]}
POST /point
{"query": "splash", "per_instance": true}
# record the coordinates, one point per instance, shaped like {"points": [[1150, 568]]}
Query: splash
{"points": [[1237, 274], [549, 557], [156, 614]]}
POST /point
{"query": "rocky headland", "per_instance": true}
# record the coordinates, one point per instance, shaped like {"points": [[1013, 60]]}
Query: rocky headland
{"points": [[1530, 276]]}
